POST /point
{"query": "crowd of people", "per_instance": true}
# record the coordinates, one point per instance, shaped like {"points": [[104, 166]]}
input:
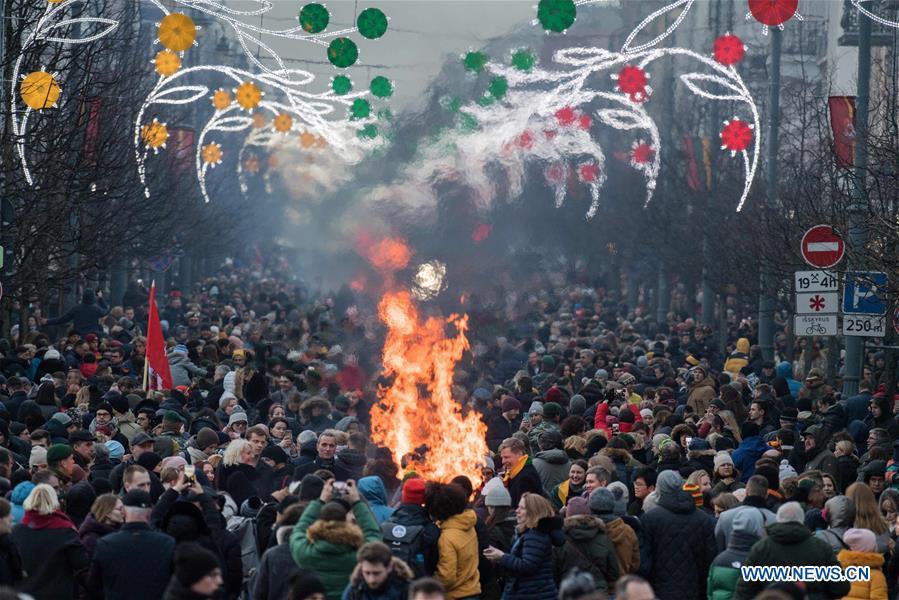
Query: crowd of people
{"points": [[627, 459]]}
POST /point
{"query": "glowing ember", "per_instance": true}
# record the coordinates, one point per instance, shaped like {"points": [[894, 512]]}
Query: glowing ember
{"points": [[390, 254], [409, 420]]}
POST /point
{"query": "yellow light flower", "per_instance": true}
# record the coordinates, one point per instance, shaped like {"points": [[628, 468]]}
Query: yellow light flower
{"points": [[39, 90], [167, 63], [248, 95], [212, 154], [283, 123], [258, 120], [155, 134], [221, 99], [177, 32], [307, 139]]}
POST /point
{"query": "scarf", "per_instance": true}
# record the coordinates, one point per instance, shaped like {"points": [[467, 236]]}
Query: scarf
{"points": [[55, 520], [510, 475]]}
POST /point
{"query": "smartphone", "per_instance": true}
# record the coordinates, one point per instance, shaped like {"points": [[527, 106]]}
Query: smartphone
{"points": [[689, 441], [616, 428], [340, 488], [190, 474]]}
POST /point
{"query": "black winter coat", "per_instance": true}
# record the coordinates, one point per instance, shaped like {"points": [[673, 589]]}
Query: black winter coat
{"points": [[412, 515], [134, 563], [53, 558], [275, 570], [527, 480], [84, 316], [10, 562], [677, 548], [529, 564]]}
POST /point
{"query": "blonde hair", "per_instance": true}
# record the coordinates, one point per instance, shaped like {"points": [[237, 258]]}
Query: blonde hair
{"points": [[867, 513], [537, 508], [577, 444], [233, 451], [103, 506], [42, 499], [696, 476], [725, 501], [846, 447]]}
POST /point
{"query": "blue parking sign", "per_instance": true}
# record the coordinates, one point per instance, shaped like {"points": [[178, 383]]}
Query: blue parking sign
{"points": [[863, 292]]}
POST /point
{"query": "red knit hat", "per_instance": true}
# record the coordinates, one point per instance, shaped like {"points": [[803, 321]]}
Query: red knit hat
{"points": [[414, 491]]}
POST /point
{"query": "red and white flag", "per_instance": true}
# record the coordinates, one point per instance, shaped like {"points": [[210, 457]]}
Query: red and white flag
{"points": [[157, 375]]}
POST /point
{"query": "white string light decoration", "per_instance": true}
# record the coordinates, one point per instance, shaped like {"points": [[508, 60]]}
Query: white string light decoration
{"points": [[877, 18], [40, 90], [279, 89]]}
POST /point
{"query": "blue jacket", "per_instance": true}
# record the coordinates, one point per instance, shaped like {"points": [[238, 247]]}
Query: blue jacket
{"points": [[529, 563], [785, 370], [372, 489], [749, 451], [135, 563]]}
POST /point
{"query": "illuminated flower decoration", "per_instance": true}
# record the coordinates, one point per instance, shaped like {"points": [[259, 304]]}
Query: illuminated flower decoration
{"points": [[372, 23], [525, 140], [39, 90], [167, 63], [736, 136], [360, 109], [251, 164], [588, 172], [523, 60], [155, 135], [221, 100], [555, 173], [381, 87], [307, 140], [177, 32], [641, 154], [474, 61], [728, 49], [368, 132], [283, 123], [773, 13], [314, 18], [212, 154], [584, 122], [556, 15], [248, 95], [633, 82], [342, 85], [343, 52], [498, 87], [566, 116]]}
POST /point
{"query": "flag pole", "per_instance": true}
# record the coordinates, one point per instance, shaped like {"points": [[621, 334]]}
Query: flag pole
{"points": [[149, 321]]}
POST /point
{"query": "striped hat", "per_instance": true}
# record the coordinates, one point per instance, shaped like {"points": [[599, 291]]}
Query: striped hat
{"points": [[693, 490]]}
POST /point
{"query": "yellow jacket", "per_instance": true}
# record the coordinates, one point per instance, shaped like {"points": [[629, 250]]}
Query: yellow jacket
{"points": [[738, 359], [876, 588], [457, 568]]}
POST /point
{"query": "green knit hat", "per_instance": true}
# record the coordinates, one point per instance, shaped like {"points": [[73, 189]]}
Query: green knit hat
{"points": [[58, 452]]}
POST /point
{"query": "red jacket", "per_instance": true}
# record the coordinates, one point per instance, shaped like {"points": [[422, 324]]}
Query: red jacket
{"points": [[602, 411]]}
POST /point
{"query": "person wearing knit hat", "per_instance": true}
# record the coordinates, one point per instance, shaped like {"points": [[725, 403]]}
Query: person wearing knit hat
{"points": [[579, 505], [509, 404], [725, 477], [536, 409], [678, 541], [410, 517], [38, 458], [860, 550], [553, 395], [601, 375], [311, 487], [197, 573], [207, 441], [748, 528], [414, 491], [305, 585], [786, 470], [552, 411], [497, 495], [602, 504], [116, 449], [769, 471], [695, 493], [577, 405], [505, 424]]}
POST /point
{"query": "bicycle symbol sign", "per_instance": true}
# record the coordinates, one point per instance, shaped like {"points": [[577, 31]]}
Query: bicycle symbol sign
{"points": [[815, 325]]}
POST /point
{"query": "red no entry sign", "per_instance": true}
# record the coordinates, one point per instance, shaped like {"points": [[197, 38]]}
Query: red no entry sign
{"points": [[822, 247]]}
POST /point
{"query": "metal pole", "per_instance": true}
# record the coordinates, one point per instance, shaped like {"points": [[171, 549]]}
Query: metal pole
{"points": [[664, 299], [708, 295], [768, 281], [858, 234]]}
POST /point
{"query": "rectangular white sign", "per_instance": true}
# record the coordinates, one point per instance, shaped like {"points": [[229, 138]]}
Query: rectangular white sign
{"points": [[864, 325], [817, 303], [815, 325], [815, 281]]}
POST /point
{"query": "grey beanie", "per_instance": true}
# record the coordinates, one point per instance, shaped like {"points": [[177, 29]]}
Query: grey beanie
{"points": [[602, 503], [498, 495], [536, 408], [601, 374], [669, 482], [577, 405]]}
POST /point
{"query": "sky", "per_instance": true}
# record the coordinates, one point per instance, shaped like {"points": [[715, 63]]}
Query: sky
{"points": [[420, 37]]}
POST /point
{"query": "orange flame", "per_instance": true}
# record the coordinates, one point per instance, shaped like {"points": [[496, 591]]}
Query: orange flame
{"points": [[420, 356], [390, 254]]}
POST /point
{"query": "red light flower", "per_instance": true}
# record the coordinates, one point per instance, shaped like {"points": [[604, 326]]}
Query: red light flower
{"points": [[632, 81], [566, 116], [728, 49], [584, 122], [588, 172], [773, 12], [526, 140], [736, 135], [642, 153], [555, 173]]}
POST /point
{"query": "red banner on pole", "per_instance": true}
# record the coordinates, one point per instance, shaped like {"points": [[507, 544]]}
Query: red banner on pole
{"points": [[842, 124], [157, 375]]}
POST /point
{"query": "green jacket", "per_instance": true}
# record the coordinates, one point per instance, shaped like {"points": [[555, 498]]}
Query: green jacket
{"points": [[589, 548], [722, 582], [792, 544], [329, 547]]}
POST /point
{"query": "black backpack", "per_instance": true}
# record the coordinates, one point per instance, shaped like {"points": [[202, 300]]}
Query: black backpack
{"points": [[405, 542]]}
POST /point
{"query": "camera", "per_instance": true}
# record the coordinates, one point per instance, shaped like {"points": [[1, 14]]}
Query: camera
{"points": [[339, 489]]}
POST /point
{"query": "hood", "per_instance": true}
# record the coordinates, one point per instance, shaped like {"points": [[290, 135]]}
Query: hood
{"points": [[706, 382], [315, 402], [373, 490], [743, 345], [860, 559], [741, 541], [91, 525], [680, 502], [401, 571], [20, 492], [554, 456], [617, 530], [410, 514], [552, 526], [840, 511], [788, 534], [354, 458], [464, 521], [583, 527], [336, 533], [176, 358], [785, 370]]}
